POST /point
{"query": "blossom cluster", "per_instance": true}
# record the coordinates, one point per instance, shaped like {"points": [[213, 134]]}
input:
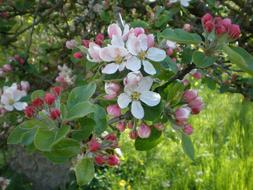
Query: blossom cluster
{"points": [[193, 105], [11, 97], [133, 50], [220, 26], [45, 105], [100, 148], [65, 76]]}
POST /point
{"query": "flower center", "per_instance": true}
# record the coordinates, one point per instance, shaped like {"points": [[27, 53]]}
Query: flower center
{"points": [[142, 55], [11, 101], [118, 60], [135, 96]]}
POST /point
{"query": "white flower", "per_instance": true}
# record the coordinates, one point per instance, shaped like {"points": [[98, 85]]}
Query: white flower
{"points": [[93, 52], [141, 54], [171, 44], [11, 96], [114, 30], [137, 94], [184, 3]]}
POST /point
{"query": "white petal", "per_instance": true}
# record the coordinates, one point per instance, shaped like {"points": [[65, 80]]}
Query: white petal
{"points": [[150, 98], [105, 54], [110, 68], [156, 54], [148, 67], [117, 41], [122, 66], [185, 3], [18, 94], [143, 42], [114, 29], [133, 45], [145, 84], [6, 97], [20, 105], [133, 63], [123, 100], [137, 110], [8, 107]]}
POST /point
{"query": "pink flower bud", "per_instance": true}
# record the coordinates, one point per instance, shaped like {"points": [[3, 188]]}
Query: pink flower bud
{"points": [[209, 26], [196, 105], [37, 102], [121, 126], [159, 126], [133, 134], [185, 82], [182, 115], [174, 59], [217, 20], [133, 78], [25, 85], [3, 111], [169, 51], [207, 17], [151, 40], [29, 111], [144, 131], [86, 43], [19, 59], [55, 114], [113, 160], [197, 75], [7, 68], [49, 98], [93, 145], [190, 95], [99, 159], [226, 23], [114, 110], [78, 55], [187, 27], [234, 31], [71, 44], [188, 129], [112, 89], [99, 39], [138, 31], [111, 137], [220, 29]]}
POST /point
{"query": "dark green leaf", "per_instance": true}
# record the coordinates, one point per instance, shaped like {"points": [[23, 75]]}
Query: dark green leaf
{"points": [[84, 171], [79, 110], [100, 118], [201, 60], [188, 146], [87, 125]]}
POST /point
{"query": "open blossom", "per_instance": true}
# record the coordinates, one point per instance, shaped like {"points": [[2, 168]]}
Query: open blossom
{"points": [[137, 94], [93, 52], [141, 54], [115, 30], [184, 3], [10, 99]]}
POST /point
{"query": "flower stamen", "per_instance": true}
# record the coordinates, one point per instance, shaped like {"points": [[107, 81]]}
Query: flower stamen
{"points": [[135, 96]]}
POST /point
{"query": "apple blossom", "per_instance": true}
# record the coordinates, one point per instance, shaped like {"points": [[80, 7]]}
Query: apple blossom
{"points": [[65, 76], [137, 94], [188, 129], [190, 95], [55, 114], [37, 102], [169, 51], [7, 68], [133, 134], [121, 126], [144, 131], [159, 126], [93, 145], [182, 114], [234, 31], [78, 55], [133, 78], [86, 43], [113, 110], [207, 17], [141, 54], [196, 105], [71, 44], [99, 39], [93, 52], [99, 159], [184, 3], [115, 30], [29, 111], [25, 85], [57, 90], [113, 160], [171, 44], [49, 98]]}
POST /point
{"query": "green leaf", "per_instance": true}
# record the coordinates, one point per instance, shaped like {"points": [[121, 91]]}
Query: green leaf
{"points": [[37, 94], [153, 113], [84, 171], [170, 65], [87, 125], [240, 57], [139, 23], [44, 139], [81, 94], [99, 117], [24, 133], [79, 110], [201, 60], [187, 56], [181, 36], [63, 150], [173, 92], [148, 143], [188, 146]]}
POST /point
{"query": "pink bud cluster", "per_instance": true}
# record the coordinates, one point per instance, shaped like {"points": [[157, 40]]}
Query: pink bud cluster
{"points": [[46, 103], [220, 26], [194, 105], [100, 146]]}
